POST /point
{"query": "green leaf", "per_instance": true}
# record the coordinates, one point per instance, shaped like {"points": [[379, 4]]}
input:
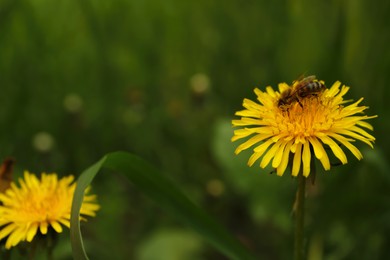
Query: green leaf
{"points": [[154, 184], [75, 233]]}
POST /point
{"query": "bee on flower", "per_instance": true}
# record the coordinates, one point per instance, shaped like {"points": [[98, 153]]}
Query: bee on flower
{"points": [[298, 123], [300, 89]]}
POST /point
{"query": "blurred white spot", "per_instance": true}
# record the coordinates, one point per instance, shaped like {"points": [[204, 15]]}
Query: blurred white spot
{"points": [[73, 103], [43, 141], [200, 83]]}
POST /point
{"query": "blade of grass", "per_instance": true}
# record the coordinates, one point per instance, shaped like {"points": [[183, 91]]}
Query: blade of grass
{"points": [[75, 233]]}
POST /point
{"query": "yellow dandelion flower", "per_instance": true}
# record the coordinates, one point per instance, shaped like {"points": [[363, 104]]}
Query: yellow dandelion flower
{"points": [[301, 126], [39, 204]]}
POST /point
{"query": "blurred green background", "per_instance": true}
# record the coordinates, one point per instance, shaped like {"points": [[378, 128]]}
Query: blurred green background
{"points": [[162, 79]]}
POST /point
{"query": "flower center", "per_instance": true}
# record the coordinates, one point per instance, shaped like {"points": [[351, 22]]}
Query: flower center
{"points": [[305, 118], [41, 206]]}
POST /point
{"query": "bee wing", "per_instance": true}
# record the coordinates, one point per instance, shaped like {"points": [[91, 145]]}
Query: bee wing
{"points": [[309, 78], [302, 79]]}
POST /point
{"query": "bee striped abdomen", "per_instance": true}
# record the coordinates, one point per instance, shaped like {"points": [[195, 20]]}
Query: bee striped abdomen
{"points": [[311, 88], [316, 86]]}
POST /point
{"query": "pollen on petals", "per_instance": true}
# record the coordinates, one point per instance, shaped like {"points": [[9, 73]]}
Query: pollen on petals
{"points": [[298, 131]]}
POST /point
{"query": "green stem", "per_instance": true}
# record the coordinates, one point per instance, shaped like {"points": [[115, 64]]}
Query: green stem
{"points": [[51, 242], [299, 218]]}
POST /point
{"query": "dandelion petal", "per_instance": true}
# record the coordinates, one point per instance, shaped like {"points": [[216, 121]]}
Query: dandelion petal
{"points": [[278, 155], [270, 154], [297, 160], [338, 152], [306, 157], [283, 164]]}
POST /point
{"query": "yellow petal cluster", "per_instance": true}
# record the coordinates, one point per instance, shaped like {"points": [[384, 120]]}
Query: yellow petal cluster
{"points": [[303, 130], [37, 205]]}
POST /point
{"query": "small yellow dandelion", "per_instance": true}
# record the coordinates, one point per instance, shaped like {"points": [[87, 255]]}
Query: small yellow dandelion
{"points": [[39, 204], [299, 121]]}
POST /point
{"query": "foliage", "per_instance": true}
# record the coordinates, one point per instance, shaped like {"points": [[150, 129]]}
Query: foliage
{"points": [[83, 78]]}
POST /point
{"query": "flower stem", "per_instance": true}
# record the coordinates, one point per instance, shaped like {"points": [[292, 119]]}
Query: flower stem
{"points": [[299, 218]]}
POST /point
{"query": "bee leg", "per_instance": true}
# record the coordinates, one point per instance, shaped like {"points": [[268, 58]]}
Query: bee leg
{"points": [[299, 102]]}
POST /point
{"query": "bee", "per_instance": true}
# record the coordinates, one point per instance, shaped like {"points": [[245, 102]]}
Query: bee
{"points": [[306, 87]]}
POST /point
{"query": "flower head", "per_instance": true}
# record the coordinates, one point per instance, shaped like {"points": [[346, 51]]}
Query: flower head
{"points": [[38, 204], [302, 127]]}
